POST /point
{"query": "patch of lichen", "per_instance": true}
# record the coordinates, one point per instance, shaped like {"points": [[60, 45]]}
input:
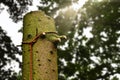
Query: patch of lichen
{"points": [[37, 22], [44, 51]]}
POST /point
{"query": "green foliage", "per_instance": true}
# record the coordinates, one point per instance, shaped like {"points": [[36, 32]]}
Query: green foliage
{"points": [[51, 6], [7, 55], [96, 57], [16, 8], [19, 76], [65, 21], [16, 76], [83, 57]]}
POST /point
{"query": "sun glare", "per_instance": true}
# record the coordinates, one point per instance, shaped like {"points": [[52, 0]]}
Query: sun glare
{"points": [[78, 5]]}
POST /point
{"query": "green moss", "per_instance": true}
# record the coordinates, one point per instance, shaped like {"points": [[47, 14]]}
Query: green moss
{"points": [[34, 23]]}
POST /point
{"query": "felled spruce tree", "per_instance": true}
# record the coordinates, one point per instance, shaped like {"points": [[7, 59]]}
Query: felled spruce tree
{"points": [[39, 47]]}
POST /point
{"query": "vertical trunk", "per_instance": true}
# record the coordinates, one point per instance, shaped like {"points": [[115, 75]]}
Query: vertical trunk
{"points": [[39, 54]]}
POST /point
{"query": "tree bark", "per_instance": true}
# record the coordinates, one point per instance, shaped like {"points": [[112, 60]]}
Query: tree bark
{"points": [[39, 54]]}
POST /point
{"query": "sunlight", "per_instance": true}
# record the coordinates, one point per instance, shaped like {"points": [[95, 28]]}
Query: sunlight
{"points": [[78, 5], [100, 0]]}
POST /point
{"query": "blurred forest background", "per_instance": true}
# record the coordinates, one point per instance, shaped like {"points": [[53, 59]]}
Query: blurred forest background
{"points": [[91, 55]]}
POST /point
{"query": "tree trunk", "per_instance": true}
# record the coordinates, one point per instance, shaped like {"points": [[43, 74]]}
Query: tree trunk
{"points": [[39, 53]]}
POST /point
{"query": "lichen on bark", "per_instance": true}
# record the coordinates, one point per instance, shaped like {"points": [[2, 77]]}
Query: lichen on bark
{"points": [[44, 52]]}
